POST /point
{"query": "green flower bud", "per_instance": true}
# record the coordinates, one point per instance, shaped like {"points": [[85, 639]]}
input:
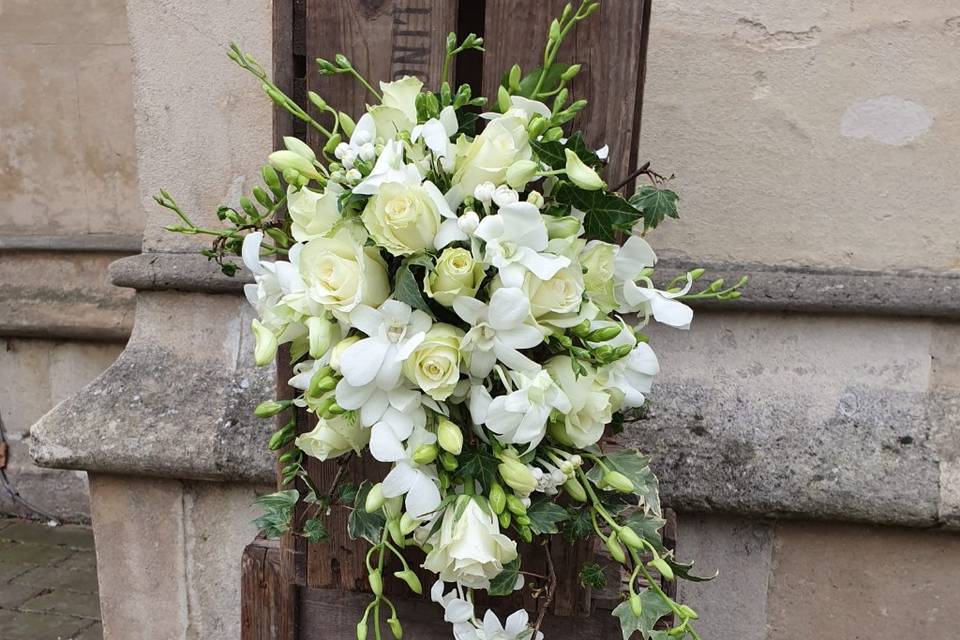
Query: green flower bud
{"points": [[271, 408], [376, 582], [408, 524], [618, 481], [503, 99], [498, 498], [425, 454], [636, 606], [521, 172], [332, 143], [362, 630], [582, 329], [513, 80], [537, 125], [317, 101], [580, 174], [615, 549], [505, 519], [562, 226], [630, 538], [395, 627], [621, 352], [661, 565], [375, 498], [695, 275], [347, 124], [515, 473], [449, 437], [449, 461], [575, 490], [570, 72], [393, 528], [522, 520], [336, 409], [687, 612], [280, 438], [411, 579], [554, 30], [393, 507], [515, 505], [526, 534], [605, 333]]}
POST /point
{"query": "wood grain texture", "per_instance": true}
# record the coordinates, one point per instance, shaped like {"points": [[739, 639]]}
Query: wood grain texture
{"points": [[268, 602], [611, 47]]}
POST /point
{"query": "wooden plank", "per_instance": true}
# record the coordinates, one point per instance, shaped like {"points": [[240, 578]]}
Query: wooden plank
{"points": [[268, 602], [329, 615], [611, 47]]}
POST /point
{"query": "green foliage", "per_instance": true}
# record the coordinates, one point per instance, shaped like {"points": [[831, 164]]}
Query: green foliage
{"points": [[545, 515], [407, 288], [361, 524], [683, 569], [636, 467], [578, 525], [648, 527], [478, 464], [604, 213], [656, 204], [347, 493], [592, 575], [314, 531], [552, 152], [506, 580], [528, 83], [653, 607], [277, 512]]}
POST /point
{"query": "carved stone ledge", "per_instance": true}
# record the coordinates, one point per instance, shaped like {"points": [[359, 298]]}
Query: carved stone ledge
{"points": [[176, 272]]}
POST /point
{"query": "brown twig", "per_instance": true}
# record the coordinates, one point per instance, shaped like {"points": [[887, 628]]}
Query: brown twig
{"points": [[551, 589], [642, 170]]}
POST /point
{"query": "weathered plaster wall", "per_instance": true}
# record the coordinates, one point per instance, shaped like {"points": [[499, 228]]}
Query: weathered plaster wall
{"points": [[815, 134], [68, 207]]}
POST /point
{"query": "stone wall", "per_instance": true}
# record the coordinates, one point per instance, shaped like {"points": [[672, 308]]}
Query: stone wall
{"points": [[68, 208]]}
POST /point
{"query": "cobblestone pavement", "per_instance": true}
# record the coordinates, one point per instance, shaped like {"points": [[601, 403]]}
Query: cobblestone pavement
{"points": [[48, 582]]}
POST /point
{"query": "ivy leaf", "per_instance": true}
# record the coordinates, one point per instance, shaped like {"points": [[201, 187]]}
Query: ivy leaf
{"points": [[347, 492], [656, 204], [592, 575], [552, 152], [479, 465], [277, 512], [648, 527], [652, 609], [636, 467], [604, 213], [545, 515], [406, 287], [577, 526], [506, 580], [683, 569], [361, 524], [314, 531]]}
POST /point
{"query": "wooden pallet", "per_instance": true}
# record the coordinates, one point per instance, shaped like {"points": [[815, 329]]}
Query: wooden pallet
{"points": [[293, 591]]}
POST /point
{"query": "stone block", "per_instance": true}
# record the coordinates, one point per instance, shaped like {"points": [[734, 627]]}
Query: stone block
{"points": [[68, 603], [53, 574], [848, 581], [22, 625], [27, 554], [69, 536]]}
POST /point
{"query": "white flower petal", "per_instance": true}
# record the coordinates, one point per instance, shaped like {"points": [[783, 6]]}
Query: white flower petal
{"points": [[448, 233], [509, 307], [423, 497], [399, 480], [367, 319], [362, 361], [385, 446]]}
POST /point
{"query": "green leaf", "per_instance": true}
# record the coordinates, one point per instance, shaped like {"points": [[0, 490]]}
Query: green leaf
{"points": [[361, 524], [683, 569], [545, 515], [348, 493], [277, 513], [314, 531], [552, 152], [407, 288], [529, 82], [652, 609], [656, 204], [478, 464], [578, 525], [604, 213], [592, 575], [506, 580], [636, 467], [648, 527]]}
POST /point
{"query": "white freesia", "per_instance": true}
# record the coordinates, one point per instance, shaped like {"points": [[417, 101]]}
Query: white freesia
{"points": [[591, 407], [635, 292], [468, 548], [515, 237], [520, 417], [517, 627], [417, 482], [390, 167], [457, 610], [632, 376], [498, 331], [436, 134], [276, 318]]}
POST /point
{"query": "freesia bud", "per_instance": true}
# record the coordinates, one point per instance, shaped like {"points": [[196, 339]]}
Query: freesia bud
{"points": [[408, 523], [497, 498], [362, 630], [503, 99], [347, 124], [411, 579], [616, 549], [393, 507], [630, 538], [536, 199], [687, 612], [636, 606], [395, 627], [375, 498], [696, 274], [266, 347], [449, 437], [570, 72], [484, 193], [299, 147], [338, 350], [521, 172], [376, 582], [505, 518], [604, 333], [575, 490], [513, 80], [449, 461], [516, 474], [320, 331], [515, 506], [271, 408], [468, 222], [425, 454], [661, 565], [580, 174], [283, 160], [332, 143], [393, 528]]}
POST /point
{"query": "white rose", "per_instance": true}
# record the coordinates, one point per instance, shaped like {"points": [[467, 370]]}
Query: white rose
{"points": [[332, 438], [398, 110], [562, 293], [434, 366], [456, 274], [469, 548], [312, 214], [403, 219], [597, 261], [502, 143], [340, 273], [591, 407]]}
